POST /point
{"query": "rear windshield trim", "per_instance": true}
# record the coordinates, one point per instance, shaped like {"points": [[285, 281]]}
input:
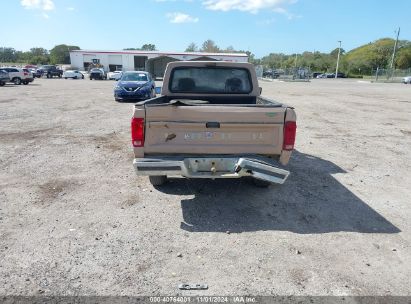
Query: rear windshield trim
{"points": [[205, 92]]}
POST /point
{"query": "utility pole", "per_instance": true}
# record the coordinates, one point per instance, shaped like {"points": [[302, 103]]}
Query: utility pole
{"points": [[395, 50], [338, 59]]}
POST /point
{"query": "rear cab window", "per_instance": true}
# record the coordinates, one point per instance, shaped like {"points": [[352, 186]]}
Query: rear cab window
{"points": [[210, 80]]}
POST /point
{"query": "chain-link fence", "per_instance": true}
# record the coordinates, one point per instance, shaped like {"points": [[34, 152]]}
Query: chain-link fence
{"points": [[290, 74], [389, 75]]}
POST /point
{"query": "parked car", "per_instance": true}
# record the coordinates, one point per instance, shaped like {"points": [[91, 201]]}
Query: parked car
{"points": [[4, 77], [316, 74], [116, 75], [18, 75], [332, 75], [271, 74], [28, 76], [50, 71], [36, 73], [97, 73], [407, 79], [73, 74], [321, 76], [135, 85]]}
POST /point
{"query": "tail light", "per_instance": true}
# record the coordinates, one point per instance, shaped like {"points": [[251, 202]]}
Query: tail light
{"points": [[137, 132], [290, 128]]}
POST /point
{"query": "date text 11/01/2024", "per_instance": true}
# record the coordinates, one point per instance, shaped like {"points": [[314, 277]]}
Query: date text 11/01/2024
{"points": [[203, 299]]}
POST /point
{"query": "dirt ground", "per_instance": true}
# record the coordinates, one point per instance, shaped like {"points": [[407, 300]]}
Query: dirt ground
{"points": [[75, 220]]}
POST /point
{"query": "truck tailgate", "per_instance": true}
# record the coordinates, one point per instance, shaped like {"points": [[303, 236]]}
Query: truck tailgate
{"points": [[214, 129]]}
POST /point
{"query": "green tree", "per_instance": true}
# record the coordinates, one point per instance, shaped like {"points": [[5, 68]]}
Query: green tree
{"points": [[148, 47], [192, 47], [210, 46], [39, 51], [36, 55], [60, 54], [403, 58], [334, 52], [7, 54], [230, 49], [145, 47]]}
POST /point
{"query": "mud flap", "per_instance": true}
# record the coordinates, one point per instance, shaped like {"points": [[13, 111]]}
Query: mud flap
{"points": [[261, 170]]}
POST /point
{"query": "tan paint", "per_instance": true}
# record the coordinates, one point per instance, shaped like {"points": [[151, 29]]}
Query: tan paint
{"points": [[173, 130], [242, 130]]}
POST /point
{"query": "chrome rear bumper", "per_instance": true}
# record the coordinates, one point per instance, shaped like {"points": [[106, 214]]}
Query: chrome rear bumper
{"points": [[212, 167]]}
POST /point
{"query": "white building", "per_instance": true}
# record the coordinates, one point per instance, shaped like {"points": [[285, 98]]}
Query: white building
{"points": [[152, 61]]}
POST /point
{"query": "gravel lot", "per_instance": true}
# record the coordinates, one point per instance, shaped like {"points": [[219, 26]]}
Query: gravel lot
{"points": [[75, 220]]}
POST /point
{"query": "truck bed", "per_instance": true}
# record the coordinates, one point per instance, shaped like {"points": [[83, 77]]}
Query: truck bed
{"points": [[212, 125]]}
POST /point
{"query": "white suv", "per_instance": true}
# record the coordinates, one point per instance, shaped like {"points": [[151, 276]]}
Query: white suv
{"points": [[19, 76]]}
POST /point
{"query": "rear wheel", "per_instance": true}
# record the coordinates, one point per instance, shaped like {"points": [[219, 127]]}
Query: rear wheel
{"points": [[25, 82], [65, 77], [158, 180], [2, 83], [60, 75], [17, 81]]}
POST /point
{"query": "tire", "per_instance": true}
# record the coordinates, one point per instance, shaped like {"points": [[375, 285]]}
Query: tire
{"points": [[82, 76], [60, 75], [65, 77], [17, 81], [2, 83], [117, 99], [48, 75], [75, 77], [260, 183], [25, 82], [158, 180]]}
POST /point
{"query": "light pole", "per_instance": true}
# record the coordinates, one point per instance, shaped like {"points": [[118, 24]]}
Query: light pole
{"points": [[393, 53], [338, 59]]}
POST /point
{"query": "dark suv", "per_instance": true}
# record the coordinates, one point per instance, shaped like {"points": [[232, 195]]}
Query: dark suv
{"points": [[50, 71]]}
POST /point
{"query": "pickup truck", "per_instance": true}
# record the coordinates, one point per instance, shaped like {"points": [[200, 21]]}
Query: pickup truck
{"points": [[50, 71], [211, 122]]}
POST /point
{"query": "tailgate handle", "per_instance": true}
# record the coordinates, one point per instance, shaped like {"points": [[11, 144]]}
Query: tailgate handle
{"points": [[214, 125]]}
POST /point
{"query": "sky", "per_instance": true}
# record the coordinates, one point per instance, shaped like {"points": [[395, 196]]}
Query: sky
{"points": [[259, 26]]}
